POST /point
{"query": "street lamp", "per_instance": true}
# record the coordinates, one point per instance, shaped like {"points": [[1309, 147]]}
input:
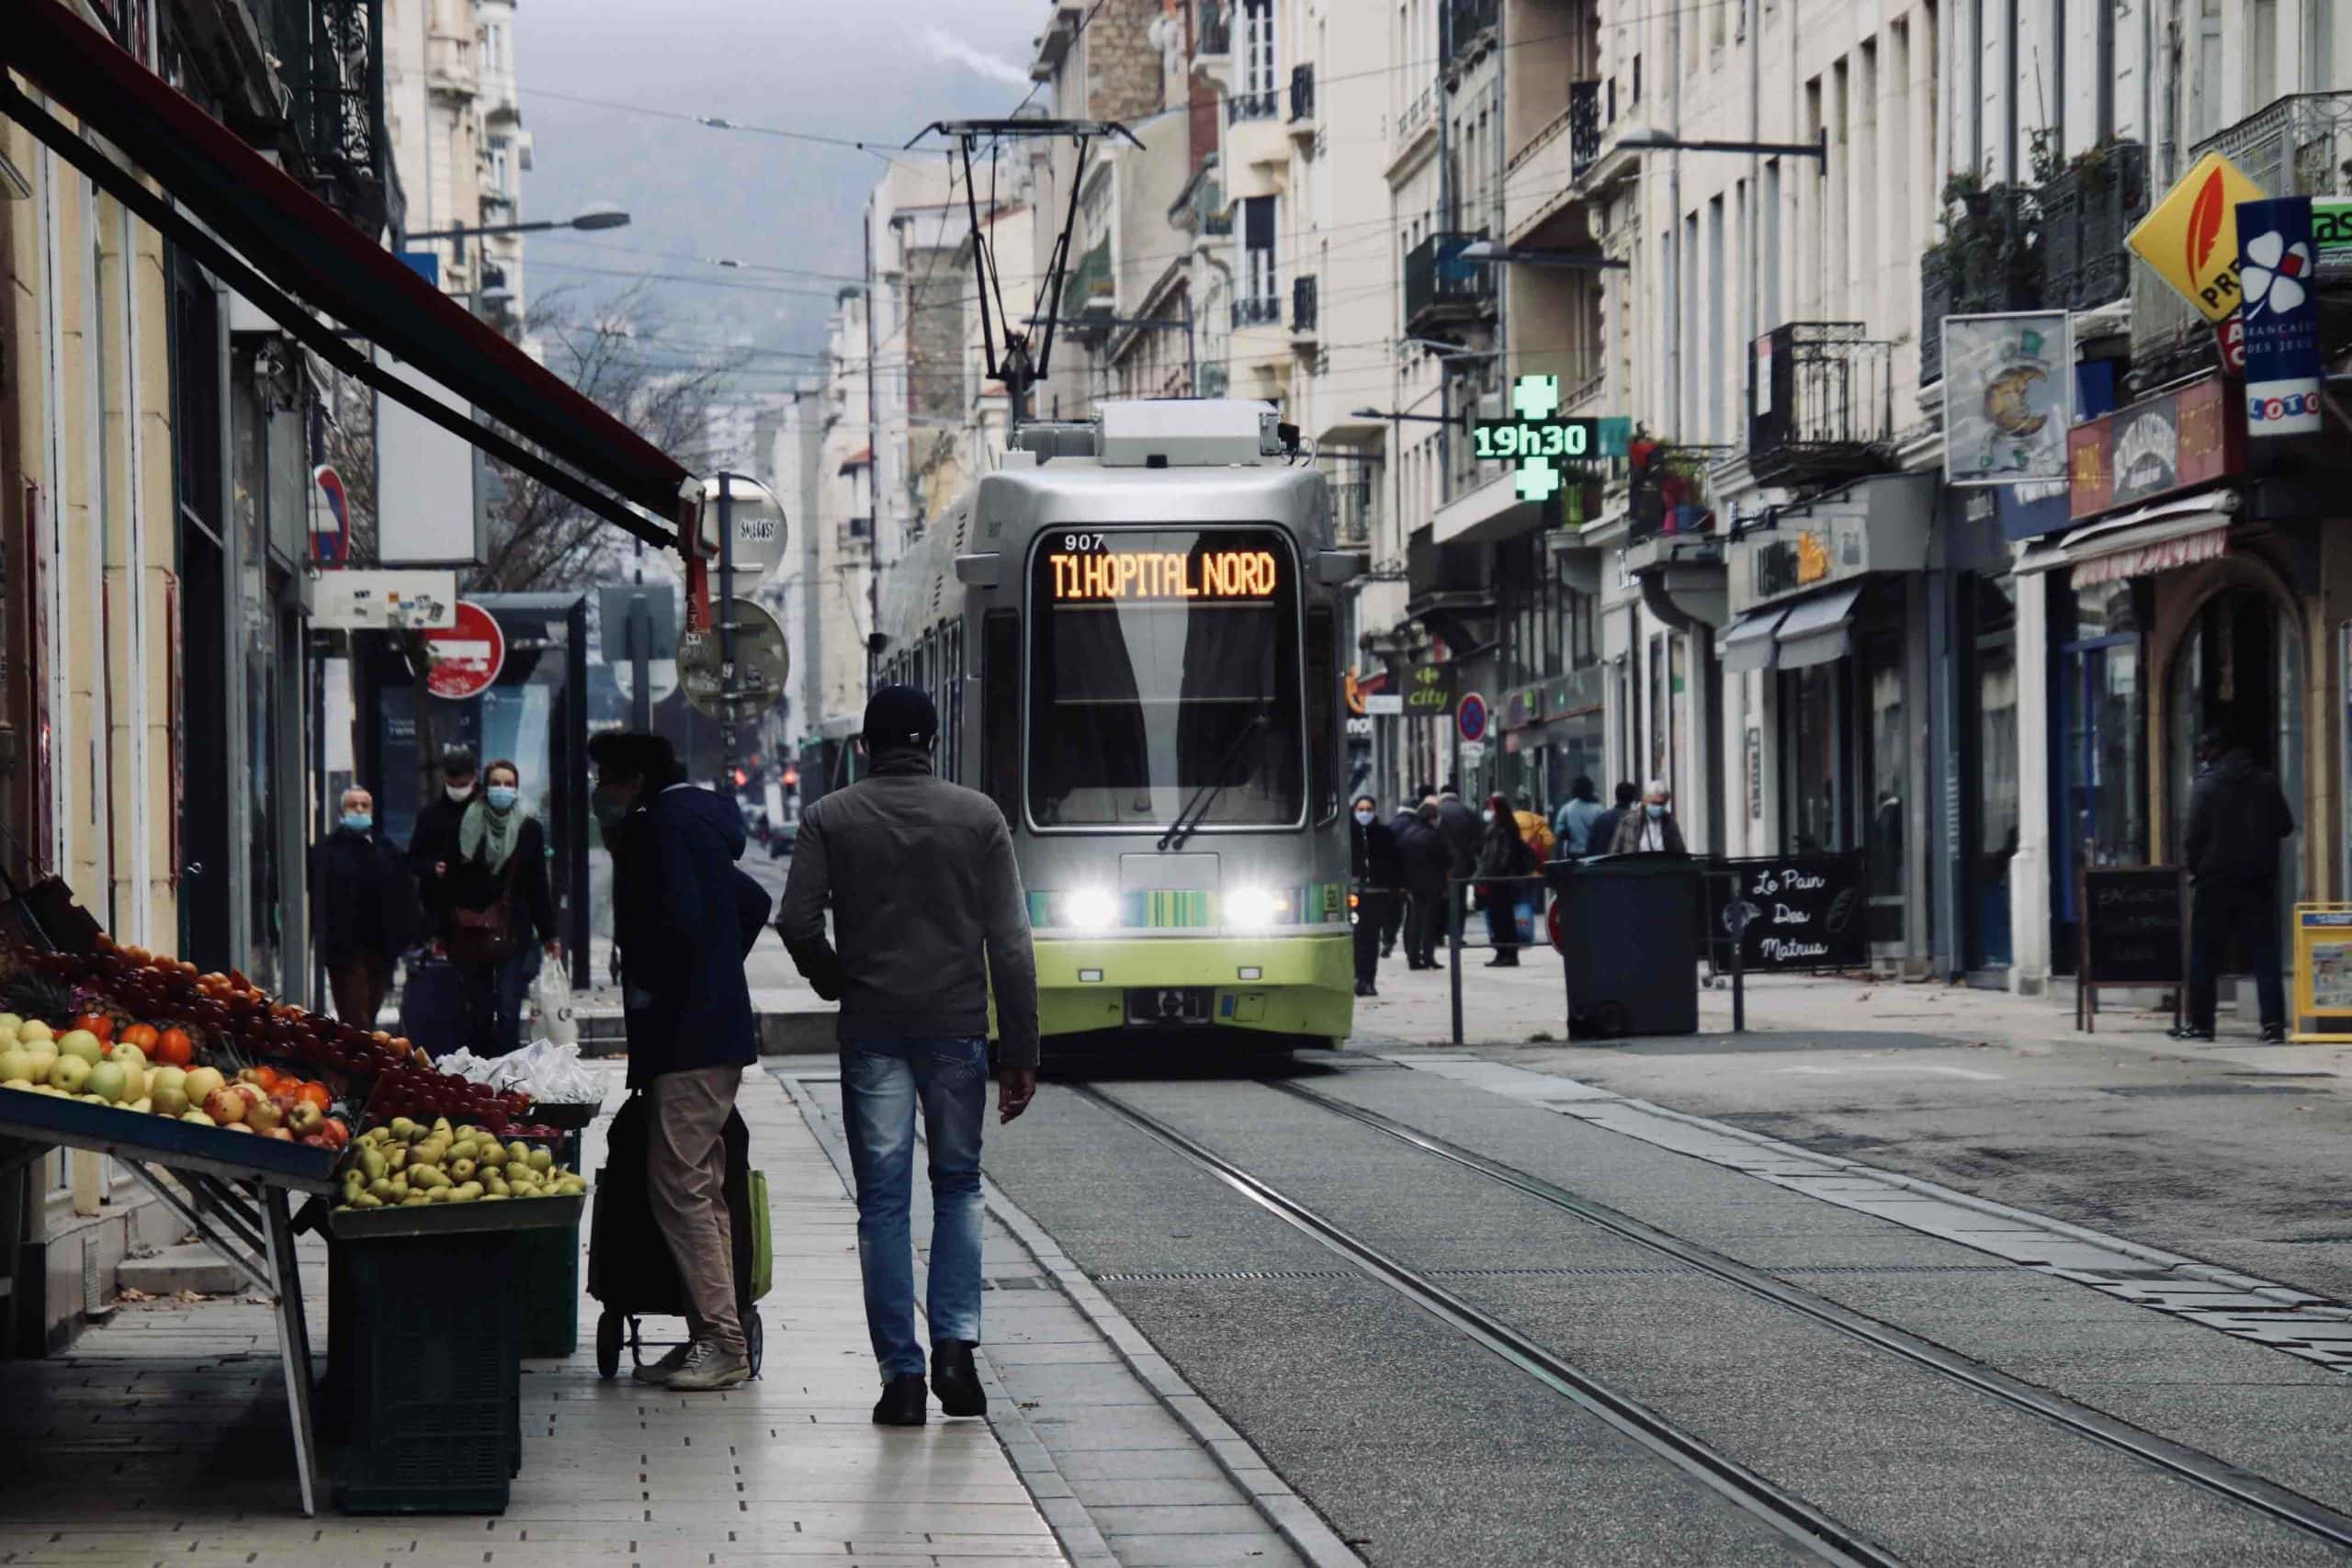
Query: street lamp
{"points": [[1415, 418], [1485, 252], [1646, 139], [595, 215]]}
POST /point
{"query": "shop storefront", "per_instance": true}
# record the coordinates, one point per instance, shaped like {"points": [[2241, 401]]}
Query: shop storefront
{"points": [[1825, 663]]}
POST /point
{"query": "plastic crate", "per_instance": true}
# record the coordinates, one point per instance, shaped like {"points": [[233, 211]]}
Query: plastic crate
{"points": [[546, 1283], [435, 1393]]}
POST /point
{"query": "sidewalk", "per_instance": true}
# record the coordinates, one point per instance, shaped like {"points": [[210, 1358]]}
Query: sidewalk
{"points": [[1529, 1004], [161, 1437]]}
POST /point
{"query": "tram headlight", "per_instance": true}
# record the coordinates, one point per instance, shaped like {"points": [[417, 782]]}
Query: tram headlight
{"points": [[1091, 909], [1254, 908]]}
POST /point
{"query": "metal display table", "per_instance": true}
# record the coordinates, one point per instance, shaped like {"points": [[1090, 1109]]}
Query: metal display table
{"points": [[233, 1190]]}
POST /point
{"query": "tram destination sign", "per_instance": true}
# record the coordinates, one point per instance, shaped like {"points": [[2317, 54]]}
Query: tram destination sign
{"points": [[1128, 576], [1792, 911]]}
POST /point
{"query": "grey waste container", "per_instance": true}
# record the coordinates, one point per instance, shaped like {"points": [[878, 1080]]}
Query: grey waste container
{"points": [[1629, 933]]}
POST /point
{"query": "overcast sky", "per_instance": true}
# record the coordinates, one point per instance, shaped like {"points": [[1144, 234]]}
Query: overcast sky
{"points": [[869, 70]]}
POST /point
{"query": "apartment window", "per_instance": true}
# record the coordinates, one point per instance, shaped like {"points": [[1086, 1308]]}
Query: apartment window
{"points": [[500, 160], [1717, 286], [1637, 79], [1257, 47], [1257, 247]]}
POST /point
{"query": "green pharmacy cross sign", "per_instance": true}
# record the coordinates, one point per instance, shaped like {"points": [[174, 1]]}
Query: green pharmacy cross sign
{"points": [[1541, 447]]}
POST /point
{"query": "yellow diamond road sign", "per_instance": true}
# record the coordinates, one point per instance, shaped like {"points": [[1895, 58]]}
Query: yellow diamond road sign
{"points": [[2191, 236]]}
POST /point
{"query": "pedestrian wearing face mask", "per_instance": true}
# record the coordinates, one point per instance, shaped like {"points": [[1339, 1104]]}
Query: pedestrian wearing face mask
{"points": [[1379, 876], [1503, 855], [1649, 829], [433, 843], [500, 916], [359, 898]]}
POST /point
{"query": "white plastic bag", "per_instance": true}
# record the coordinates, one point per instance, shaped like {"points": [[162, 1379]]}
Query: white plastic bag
{"points": [[551, 996]]}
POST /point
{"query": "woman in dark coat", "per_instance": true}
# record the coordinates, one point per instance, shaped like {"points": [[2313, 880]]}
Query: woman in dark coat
{"points": [[500, 915], [1379, 877], [1502, 853], [1424, 859]]}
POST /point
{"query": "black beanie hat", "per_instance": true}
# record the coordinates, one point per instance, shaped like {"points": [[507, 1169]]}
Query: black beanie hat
{"points": [[899, 716]]}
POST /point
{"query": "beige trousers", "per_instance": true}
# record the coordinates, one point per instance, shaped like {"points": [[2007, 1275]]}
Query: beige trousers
{"points": [[685, 1171]]}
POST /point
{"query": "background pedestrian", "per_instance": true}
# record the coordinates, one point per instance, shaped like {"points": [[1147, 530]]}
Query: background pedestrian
{"points": [[2237, 819], [359, 903], [1503, 854], [1427, 863], [497, 908], [684, 916], [1458, 826], [1651, 829], [1535, 827], [1572, 824], [929, 921], [1600, 838], [433, 843], [1379, 877]]}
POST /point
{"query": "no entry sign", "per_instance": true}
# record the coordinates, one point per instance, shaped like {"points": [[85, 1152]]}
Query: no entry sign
{"points": [[465, 658]]}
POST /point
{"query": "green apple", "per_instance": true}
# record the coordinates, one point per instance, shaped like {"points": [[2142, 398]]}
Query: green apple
{"points": [[25, 1084], [35, 1029], [107, 1081], [201, 1083], [199, 1118], [83, 1044], [15, 1064], [129, 1058], [68, 1074]]}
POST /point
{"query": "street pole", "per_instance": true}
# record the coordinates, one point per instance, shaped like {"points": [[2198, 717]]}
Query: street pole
{"points": [[640, 652], [726, 628]]}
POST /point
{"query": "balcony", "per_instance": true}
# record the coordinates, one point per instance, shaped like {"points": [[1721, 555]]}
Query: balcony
{"points": [[1416, 123], [1243, 108], [1585, 125], [1441, 288], [1668, 496], [1199, 208], [1447, 578], [1256, 310], [1301, 307], [1989, 260], [2087, 210], [327, 50], [1548, 174], [452, 69], [1087, 302], [1212, 32], [1823, 404], [1469, 29], [1302, 98]]}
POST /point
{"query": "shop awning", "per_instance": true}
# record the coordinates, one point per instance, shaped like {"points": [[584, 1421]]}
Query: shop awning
{"points": [[1748, 642], [1816, 630], [282, 248], [2153, 539]]}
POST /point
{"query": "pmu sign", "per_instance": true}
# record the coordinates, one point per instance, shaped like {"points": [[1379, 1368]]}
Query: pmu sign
{"points": [[2190, 238]]}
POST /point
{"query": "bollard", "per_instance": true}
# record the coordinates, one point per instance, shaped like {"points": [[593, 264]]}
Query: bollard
{"points": [[1454, 951]]}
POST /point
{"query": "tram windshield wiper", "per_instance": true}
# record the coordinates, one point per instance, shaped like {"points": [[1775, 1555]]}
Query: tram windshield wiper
{"points": [[1188, 820]]}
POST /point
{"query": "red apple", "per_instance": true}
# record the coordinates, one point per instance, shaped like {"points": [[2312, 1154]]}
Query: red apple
{"points": [[264, 1116], [226, 1106]]}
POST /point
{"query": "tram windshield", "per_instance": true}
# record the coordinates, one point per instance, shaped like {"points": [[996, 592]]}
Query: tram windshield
{"points": [[1165, 663]]}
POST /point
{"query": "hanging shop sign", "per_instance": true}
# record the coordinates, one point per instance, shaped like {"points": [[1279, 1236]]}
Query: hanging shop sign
{"points": [[463, 660], [2279, 308], [2177, 440], [1428, 691], [1543, 449], [1881, 523], [384, 600], [2190, 238], [330, 518], [2008, 396]]}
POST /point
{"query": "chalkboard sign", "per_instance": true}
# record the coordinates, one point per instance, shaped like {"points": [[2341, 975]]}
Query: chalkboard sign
{"points": [[2132, 924], [1801, 912]]}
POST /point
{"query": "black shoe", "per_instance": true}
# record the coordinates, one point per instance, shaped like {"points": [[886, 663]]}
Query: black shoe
{"points": [[902, 1402], [1364, 987], [2274, 1034], [2188, 1032], [1503, 961], [1389, 951], [955, 1380]]}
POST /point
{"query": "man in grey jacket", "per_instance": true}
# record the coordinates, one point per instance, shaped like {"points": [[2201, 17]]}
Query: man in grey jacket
{"points": [[929, 920]]}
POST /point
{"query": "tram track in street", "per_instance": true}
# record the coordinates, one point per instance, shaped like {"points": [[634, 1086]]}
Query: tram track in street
{"points": [[1801, 1524], [1797, 1519]]}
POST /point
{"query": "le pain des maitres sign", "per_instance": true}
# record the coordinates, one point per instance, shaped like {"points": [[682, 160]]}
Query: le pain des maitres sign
{"points": [[2173, 441]]}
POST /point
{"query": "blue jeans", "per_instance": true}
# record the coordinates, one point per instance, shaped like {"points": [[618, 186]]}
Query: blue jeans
{"points": [[881, 1080]]}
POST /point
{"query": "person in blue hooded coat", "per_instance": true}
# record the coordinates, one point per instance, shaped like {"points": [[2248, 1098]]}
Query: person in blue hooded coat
{"points": [[683, 917]]}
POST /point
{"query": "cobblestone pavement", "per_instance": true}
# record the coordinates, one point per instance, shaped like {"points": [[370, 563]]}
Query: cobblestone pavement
{"points": [[160, 1437]]}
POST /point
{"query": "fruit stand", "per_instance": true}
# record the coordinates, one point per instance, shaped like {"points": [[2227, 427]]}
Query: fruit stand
{"points": [[226, 1105]]}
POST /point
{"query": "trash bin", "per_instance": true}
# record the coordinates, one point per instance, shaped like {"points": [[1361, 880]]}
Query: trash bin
{"points": [[1629, 935]]}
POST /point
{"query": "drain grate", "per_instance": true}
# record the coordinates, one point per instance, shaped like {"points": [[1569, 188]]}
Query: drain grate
{"points": [[1183, 1277]]}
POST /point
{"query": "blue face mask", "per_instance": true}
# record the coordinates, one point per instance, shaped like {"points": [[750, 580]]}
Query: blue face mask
{"points": [[500, 797], [359, 821], [1654, 811]]}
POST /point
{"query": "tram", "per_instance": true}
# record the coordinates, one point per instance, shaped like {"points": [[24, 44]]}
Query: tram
{"points": [[1132, 634]]}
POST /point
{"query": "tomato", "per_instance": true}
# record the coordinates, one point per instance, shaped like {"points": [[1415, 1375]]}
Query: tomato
{"points": [[174, 1048], [142, 1035], [316, 1093], [97, 1023]]}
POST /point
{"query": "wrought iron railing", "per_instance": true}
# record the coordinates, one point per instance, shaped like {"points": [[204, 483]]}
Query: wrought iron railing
{"points": [[1824, 405], [1302, 93], [1258, 311], [2087, 209], [1990, 259], [1243, 106], [1585, 126], [1668, 495], [1437, 281], [1301, 304]]}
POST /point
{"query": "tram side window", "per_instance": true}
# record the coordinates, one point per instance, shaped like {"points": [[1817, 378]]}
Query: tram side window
{"points": [[1322, 713], [1001, 709]]}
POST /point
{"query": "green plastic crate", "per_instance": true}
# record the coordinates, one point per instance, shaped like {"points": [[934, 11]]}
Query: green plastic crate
{"points": [[546, 1286]]}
